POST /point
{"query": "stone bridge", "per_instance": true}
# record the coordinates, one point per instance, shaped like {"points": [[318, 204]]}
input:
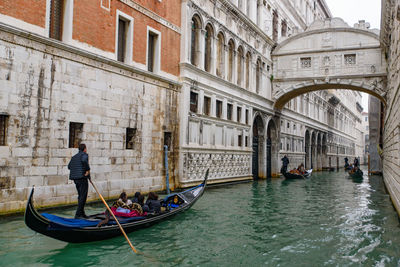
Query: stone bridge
{"points": [[329, 55]]}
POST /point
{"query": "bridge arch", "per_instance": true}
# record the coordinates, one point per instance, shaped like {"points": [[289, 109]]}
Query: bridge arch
{"points": [[329, 55]]}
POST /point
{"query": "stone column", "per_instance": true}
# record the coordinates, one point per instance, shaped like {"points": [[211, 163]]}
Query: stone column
{"points": [[234, 67], [213, 63]]}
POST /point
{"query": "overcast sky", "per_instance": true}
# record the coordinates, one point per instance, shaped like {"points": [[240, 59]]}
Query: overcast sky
{"points": [[354, 10]]}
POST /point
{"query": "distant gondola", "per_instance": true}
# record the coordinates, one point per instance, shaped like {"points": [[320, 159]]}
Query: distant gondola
{"points": [[289, 175], [356, 174], [86, 230]]}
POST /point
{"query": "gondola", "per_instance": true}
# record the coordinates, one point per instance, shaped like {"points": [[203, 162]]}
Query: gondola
{"points": [[86, 230], [289, 175], [356, 174]]}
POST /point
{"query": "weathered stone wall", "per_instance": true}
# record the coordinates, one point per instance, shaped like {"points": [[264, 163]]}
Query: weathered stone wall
{"points": [[391, 141], [45, 85]]}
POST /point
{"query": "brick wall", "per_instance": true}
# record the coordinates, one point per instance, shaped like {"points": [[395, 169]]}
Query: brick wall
{"points": [[33, 12], [44, 87]]}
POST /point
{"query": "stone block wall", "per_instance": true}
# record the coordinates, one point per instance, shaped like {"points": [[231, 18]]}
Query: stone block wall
{"points": [[45, 85], [391, 141]]}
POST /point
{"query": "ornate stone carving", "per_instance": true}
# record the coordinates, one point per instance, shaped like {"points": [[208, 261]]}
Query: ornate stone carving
{"points": [[221, 165]]}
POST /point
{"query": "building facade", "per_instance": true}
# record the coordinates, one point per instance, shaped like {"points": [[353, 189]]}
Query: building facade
{"points": [[100, 72], [228, 121]]}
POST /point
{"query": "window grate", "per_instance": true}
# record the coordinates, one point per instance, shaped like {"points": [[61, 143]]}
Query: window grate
{"points": [[75, 134], [3, 129], [56, 19]]}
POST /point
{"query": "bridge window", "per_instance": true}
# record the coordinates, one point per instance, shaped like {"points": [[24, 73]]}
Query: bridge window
{"points": [[350, 59], [305, 62]]}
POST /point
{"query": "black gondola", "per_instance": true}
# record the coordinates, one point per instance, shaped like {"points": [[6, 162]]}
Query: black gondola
{"points": [[86, 230], [356, 174], [289, 175]]}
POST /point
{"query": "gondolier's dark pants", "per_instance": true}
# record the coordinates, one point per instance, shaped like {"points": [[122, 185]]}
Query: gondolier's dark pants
{"points": [[82, 187]]}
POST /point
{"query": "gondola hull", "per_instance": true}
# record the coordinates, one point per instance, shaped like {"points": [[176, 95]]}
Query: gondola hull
{"points": [[68, 233], [289, 175], [357, 175]]}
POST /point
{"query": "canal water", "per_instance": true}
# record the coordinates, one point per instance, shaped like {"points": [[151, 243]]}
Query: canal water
{"points": [[327, 220]]}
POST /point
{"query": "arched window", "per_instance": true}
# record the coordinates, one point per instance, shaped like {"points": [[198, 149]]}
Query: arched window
{"points": [[194, 41], [230, 60], [240, 66], [258, 75], [248, 66], [207, 47], [220, 54]]}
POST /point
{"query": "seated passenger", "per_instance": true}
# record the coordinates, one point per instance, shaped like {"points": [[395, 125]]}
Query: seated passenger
{"points": [[152, 203], [138, 198], [122, 202], [301, 169]]}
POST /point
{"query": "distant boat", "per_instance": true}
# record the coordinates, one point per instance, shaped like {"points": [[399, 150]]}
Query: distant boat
{"points": [[289, 175], [356, 174], [86, 230]]}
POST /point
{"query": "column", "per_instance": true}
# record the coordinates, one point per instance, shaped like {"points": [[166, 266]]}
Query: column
{"points": [[200, 53]]}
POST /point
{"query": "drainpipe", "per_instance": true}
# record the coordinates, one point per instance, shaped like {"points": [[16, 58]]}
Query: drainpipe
{"points": [[166, 167]]}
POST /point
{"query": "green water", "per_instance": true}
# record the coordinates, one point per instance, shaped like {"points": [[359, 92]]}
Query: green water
{"points": [[328, 220]]}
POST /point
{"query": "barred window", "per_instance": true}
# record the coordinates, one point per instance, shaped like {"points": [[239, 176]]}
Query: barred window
{"points": [[229, 111], [350, 59], [207, 106], [193, 102], [3, 129], [75, 134], [219, 109], [56, 19], [305, 62], [130, 138]]}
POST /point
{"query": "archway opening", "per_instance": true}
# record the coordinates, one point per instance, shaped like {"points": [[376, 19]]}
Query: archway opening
{"points": [[258, 129]]}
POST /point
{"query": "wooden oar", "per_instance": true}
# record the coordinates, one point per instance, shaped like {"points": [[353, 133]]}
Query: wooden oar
{"points": [[109, 210]]}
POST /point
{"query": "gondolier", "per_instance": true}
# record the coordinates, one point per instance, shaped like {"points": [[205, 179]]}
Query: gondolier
{"points": [[285, 163], [80, 173]]}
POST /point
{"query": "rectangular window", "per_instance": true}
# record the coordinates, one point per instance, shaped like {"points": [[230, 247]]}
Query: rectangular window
{"points": [[305, 62], [122, 29], [130, 138], [3, 129], [350, 59], [193, 102], [56, 19], [219, 109], [247, 116], [246, 141], [151, 51], [75, 134], [207, 106], [229, 111], [168, 140], [240, 140], [239, 114]]}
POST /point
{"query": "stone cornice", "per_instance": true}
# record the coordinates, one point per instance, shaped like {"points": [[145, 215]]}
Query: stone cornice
{"points": [[307, 33], [152, 15], [92, 59]]}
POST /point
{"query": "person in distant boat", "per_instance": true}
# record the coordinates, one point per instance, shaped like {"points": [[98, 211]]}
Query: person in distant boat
{"points": [[285, 163], [152, 205], [346, 162], [80, 173], [356, 162]]}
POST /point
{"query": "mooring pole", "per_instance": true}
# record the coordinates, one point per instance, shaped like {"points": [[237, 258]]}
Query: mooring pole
{"points": [[166, 167]]}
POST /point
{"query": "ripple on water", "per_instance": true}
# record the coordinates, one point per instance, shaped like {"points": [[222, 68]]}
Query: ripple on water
{"points": [[326, 220]]}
